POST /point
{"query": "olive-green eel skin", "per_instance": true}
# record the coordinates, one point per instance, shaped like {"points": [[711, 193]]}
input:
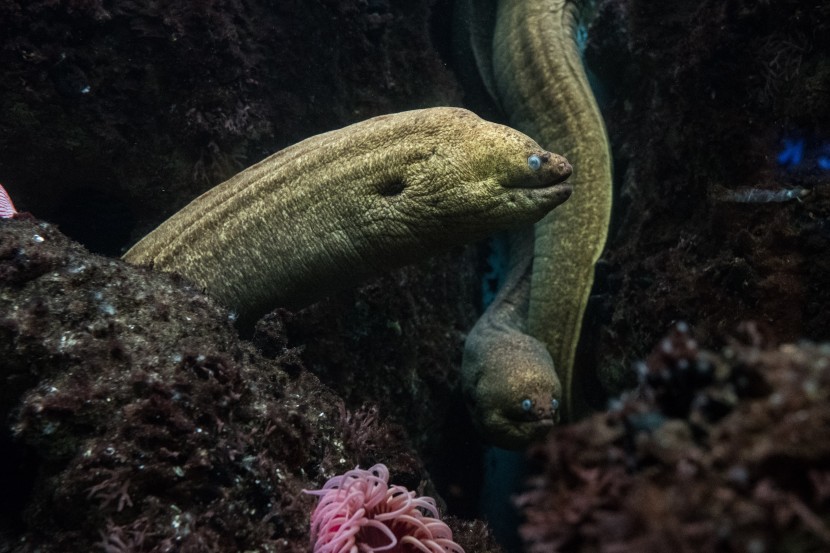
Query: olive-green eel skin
{"points": [[543, 87], [534, 67], [338, 207], [507, 376]]}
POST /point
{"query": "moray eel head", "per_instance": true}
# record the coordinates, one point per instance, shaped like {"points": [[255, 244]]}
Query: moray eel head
{"points": [[474, 173], [515, 170], [519, 401]]}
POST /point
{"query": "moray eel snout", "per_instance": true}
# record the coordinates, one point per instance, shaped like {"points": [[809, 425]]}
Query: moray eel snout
{"points": [[542, 171], [546, 183], [547, 169], [539, 182]]}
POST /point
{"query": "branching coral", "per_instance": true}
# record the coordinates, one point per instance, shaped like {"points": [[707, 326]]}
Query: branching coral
{"points": [[360, 511]]}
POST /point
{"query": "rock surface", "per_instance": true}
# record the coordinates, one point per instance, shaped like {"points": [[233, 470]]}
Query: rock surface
{"points": [[136, 419]]}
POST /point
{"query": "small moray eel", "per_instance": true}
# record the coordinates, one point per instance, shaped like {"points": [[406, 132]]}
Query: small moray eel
{"points": [[341, 206], [507, 376], [543, 87]]}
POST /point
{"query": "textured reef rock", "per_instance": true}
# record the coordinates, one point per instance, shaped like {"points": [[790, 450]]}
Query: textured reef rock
{"points": [[116, 114], [714, 452], [712, 108], [136, 420]]}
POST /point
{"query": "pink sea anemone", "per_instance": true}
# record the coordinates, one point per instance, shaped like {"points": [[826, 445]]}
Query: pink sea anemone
{"points": [[359, 512]]}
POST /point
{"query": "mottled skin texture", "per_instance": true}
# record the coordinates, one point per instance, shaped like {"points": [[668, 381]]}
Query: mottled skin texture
{"points": [[542, 86], [333, 209], [508, 380]]}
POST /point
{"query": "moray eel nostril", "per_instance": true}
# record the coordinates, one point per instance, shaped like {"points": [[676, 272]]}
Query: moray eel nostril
{"points": [[564, 169]]}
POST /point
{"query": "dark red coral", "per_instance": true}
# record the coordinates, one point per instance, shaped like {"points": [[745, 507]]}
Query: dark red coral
{"points": [[725, 451]]}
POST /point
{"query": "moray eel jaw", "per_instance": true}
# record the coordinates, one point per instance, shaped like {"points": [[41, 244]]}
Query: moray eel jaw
{"points": [[546, 185]]}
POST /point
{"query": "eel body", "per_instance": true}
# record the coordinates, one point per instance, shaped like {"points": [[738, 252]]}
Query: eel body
{"points": [[543, 87], [536, 71], [509, 385], [338, 207]]}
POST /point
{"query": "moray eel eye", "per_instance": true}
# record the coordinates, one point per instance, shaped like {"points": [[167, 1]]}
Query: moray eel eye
{"points": [[526, 405], [534, 162], [554, 404]]}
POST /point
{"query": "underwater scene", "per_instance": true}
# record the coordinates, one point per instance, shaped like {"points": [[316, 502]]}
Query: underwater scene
{"points": [[414, 276]]}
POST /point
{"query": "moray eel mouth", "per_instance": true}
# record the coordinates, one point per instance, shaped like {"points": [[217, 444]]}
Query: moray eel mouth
{"points": [[549, 196], [544, 180], [508, 432], [532, 425], [535, 417], [555, 193]]}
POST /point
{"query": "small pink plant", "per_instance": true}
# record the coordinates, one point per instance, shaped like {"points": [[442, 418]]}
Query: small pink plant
{"points": [[7, 210], [359, 512]]}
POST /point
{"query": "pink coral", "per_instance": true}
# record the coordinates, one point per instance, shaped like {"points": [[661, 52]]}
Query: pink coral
{"points": [[359, 512]]}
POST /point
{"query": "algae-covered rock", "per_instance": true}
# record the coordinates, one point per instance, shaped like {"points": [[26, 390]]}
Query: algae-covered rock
{"points": [[136, 419]]}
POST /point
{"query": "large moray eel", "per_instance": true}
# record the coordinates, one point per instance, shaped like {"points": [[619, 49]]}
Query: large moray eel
{"points": [[338, 207], [540, 83]]}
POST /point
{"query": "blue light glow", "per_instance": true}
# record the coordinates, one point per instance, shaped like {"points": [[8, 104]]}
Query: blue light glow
{"points": [[824, 159], [801, 153], [793, 152], [581, 37]]}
